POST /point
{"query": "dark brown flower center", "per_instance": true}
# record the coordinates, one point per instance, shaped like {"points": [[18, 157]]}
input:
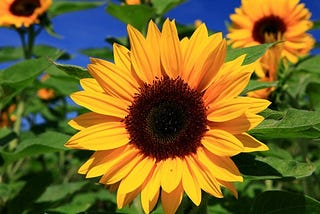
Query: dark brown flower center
{"points": [[24, 7], [167, 119], [272, 26]]}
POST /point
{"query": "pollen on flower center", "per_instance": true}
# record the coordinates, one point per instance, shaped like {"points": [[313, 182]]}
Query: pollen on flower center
{"points": [[270, 25], [24, 7], [167, 119]]}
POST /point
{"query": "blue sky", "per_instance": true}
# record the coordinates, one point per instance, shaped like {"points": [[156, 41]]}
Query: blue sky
{"points": [[89, 28]]}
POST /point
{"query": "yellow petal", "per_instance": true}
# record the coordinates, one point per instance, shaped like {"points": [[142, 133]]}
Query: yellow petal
{"points": [[171, 172], [122, 57], [151, 190], [250, 143], [219, 112], [105, 161], [171, 201], [195, 46], [121, 167], [125, 199], [220, 167], [190, 184], [212, 66], [114, 80], [137, 176], [140, 50], [90, 84], [103, 136], [91, 118], [207, 182], [229, 186], [101, 103], [222, 143], [170, 50], [153, 38]]}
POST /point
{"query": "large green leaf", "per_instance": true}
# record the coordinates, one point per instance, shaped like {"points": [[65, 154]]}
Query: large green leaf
{"points": [[44, 143], [61, 7], [252, 53], [60, 191], [310, 64], [19, 76], [82, 201], [292, 123], [74, 71], [136, 15], [282, 202], [262, 168], [10, 53]]}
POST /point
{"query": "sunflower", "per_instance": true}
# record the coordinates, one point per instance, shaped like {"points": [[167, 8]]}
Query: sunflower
{"points": [[22, 12], [266, 21], [166, 117]]}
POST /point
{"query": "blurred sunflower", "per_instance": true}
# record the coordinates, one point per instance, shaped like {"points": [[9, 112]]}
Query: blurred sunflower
{"points": [[166, 117], [265, 21], [22, 12]]}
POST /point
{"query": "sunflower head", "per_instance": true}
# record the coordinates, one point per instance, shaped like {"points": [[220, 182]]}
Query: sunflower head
{"points": [[266, 21], [22, 12], [166, 117]]}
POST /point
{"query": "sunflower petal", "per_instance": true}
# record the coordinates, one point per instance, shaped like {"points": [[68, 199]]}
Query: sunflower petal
{"points": [[222, 143], [90, 84], [137, 176], [170, 50], [171, 201], [103, 136], [171, 172], [101, 103], [250, 143], [190, 184], [220, 167], [89, 119], [140, 51]]}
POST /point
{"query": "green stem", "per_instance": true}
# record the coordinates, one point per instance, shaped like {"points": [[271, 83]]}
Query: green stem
{"points": [[17, 123]]}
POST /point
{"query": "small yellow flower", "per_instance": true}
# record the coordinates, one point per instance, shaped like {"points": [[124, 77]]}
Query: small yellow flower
{"points": [[22, 12], [7, 116], [46, 93], [166, 118], [133, 2]]}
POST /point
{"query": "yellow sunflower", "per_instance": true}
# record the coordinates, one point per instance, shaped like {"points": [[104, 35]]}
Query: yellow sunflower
{"points": [[166, 117], [22, 12], [265, 21]]}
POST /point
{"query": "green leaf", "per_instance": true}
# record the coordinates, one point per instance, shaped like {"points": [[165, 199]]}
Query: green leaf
{"points": [[252, 53], [10, 190], [164, 6], [19, 76], [6, 135], [256, 85], [102, 53], [44, 143], [313, 90], [282, 202], [60, 191], [49, 52], [135, 15], [310, 64], [61, 7], [82, 201], [292, 123], [10, 53], [262, 168], [76, 72]]}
